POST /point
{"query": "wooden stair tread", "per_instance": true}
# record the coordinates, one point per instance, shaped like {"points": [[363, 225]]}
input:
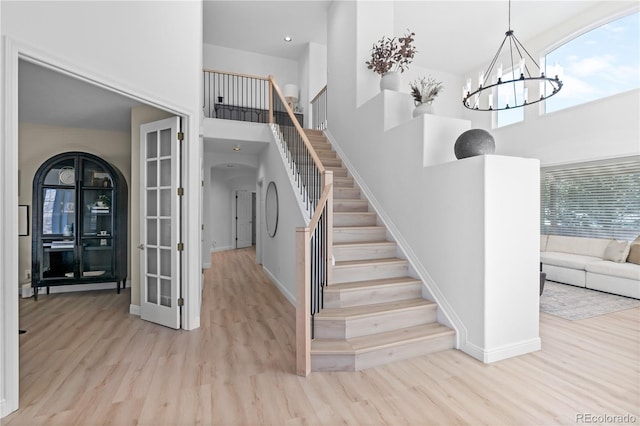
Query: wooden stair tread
{"points": [[365, 243], [363, 344], [361, 228], [374, 309], [383, 282], [369, 262]]}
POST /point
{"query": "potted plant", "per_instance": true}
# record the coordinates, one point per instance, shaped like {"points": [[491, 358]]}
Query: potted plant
{"points": [[390, 57], [424, 91]]}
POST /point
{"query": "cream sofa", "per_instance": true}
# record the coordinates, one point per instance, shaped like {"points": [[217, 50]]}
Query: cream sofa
{"points": [[594, 263]]}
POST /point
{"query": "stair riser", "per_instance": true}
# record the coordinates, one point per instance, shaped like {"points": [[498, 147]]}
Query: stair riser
{"points": [[341, 205], [365, 252], [324, 154], [325, 362], [372, 324], [366, 296], [346, 193], [354, 219], [367, 272], [405, 351], [342, 182], [338, 171], [331, 162], [355, 362], [356, 235]]}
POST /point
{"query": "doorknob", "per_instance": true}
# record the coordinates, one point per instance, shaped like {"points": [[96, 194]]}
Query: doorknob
{"points": [[141, 246]]}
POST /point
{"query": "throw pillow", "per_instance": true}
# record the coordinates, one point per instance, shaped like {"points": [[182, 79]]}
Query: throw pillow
{"points": [[634, 252], [616, 251]]}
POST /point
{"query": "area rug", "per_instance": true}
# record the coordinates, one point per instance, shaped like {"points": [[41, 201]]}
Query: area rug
{"points": [[576, 303]]}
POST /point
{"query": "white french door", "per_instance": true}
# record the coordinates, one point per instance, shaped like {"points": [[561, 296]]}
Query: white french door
{"points": [[160, 218], [243, 219]]}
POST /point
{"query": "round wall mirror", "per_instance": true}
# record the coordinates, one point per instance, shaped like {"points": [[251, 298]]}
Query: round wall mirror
{"points": [[271, 209]]}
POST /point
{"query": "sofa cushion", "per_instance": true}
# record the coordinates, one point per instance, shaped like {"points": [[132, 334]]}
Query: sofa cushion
{"points": [[593, 247], [622, 270], [567, 260], [543, 242], [634, 252], [616, 251]]}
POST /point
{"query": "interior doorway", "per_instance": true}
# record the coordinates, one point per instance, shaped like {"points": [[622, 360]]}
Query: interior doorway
{"points": [[15, 188]]}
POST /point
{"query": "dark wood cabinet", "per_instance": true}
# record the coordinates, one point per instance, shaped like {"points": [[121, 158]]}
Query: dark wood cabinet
{"points": [[79, 222]]}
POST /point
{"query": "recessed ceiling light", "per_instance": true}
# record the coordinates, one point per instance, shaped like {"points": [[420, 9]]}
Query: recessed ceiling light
{"points": [[236, 148], [287, 39]]}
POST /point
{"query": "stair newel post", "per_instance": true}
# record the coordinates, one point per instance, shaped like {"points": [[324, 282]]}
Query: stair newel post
{"points": [[303, 302], [271, 89]]}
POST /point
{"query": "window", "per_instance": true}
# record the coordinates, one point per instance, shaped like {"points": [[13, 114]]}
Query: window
{"points": [[601, 201], [506, 94], [596, 64]]}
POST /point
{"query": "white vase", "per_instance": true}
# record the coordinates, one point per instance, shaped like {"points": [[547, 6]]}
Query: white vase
{"points": [[425, 108], [391, 81]]}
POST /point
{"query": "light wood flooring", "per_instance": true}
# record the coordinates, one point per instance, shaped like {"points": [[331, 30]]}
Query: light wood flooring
{"points": [[85, 360]]}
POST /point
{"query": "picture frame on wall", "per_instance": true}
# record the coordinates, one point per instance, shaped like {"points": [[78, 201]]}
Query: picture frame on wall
{"points": [[23, 220]]}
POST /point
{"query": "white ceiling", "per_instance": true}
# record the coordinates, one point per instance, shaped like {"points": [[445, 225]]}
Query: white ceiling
{"points": [[451, 36]]}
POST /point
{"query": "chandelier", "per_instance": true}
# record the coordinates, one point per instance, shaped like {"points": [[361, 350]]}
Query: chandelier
{"points": [[514, 88]]}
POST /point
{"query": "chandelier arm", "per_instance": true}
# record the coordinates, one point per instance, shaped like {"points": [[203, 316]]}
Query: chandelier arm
{"points": [[511, 43], [487, 73], [525, 51]]}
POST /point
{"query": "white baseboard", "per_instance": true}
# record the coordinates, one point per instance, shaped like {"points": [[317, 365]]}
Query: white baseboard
{"points": [[26, 290], [501, 352], [290, 297], [134, 310], [223, 248]]}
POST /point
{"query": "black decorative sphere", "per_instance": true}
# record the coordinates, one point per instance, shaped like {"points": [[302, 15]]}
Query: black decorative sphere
{"points": [[474, 142]]}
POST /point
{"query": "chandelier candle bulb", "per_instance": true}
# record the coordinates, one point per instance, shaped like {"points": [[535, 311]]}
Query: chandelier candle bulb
{"points": [[526, 95], [521, 66], [491, 100], [480, 78], [499, 73]]}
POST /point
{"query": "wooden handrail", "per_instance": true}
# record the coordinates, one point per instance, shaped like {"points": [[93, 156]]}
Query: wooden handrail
{"points": [[326, 193], [324, 89], [294, 120], [236, 74]]}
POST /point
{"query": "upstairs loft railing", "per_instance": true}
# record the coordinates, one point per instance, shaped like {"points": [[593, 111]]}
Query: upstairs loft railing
{"points": [[240, 97], [319, 110]]}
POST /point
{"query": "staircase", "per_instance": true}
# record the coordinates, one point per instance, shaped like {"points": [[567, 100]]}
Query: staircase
{"points": [[374, 313]]}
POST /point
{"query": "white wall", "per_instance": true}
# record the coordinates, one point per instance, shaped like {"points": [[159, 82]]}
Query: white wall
{"points": [[279, 253], [152, 50], [607, 128], [479, 240], [239, 61]]}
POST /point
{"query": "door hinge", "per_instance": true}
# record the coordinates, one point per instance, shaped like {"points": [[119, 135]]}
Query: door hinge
{"points": [[180, 136], [180, 301], [180, 246], [180, 192], [202, 226]]}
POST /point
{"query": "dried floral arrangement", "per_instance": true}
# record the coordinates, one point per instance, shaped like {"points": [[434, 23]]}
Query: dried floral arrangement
{"points": [[391, 54], [425, 90]]}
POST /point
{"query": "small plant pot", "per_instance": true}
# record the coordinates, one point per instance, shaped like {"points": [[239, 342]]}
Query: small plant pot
{"points": [[391, 81], [425, 108]]}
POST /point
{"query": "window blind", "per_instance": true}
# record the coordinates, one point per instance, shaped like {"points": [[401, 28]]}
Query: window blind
{"points": [[600, 201]]}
